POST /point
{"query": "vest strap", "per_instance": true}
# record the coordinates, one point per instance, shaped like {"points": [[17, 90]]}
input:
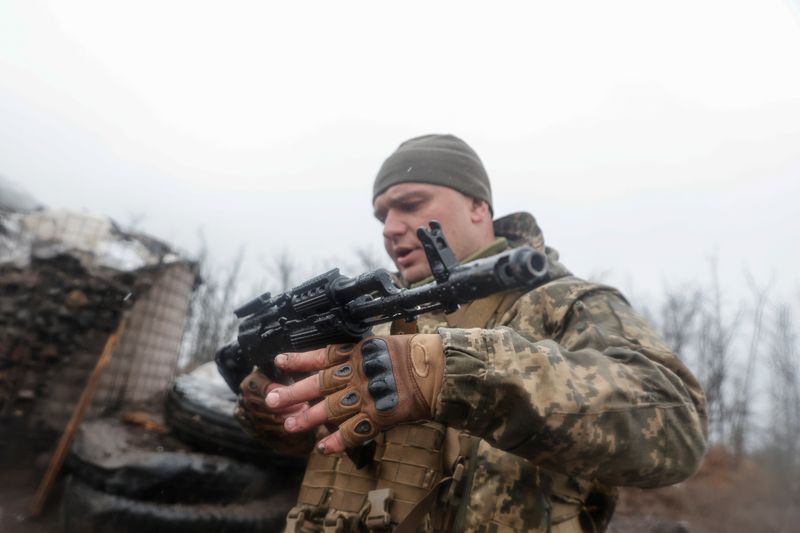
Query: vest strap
{"points": [[333, 523], [470, 445], [295, 519], [378, 517], [456, 488], [411, 523]]}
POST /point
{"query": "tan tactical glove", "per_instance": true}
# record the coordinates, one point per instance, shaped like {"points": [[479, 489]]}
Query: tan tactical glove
{"points": [[381, 382], [265, 423]]}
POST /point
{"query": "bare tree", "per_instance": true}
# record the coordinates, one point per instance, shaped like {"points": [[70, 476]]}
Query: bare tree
{"points": [[360, 260], [211, 320], [283, 269], [679, 313], [742, 401], [368, 259], [714, 356], [785, 399]]}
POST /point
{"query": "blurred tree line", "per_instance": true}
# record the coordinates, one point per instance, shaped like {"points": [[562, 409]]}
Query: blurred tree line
{"points": [[211, 321], [746, 355], [747, 358]]}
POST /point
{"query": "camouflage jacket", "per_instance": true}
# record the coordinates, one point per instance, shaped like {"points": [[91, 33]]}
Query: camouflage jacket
{"points": [[571, 391], [550, 398]]}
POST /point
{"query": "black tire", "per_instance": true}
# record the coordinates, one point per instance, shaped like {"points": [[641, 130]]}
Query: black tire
{"points": [[104, 457], [86, 510], [199, 411]]}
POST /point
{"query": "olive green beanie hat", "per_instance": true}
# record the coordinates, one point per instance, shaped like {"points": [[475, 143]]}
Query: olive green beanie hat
{"points": [[442, 160]]}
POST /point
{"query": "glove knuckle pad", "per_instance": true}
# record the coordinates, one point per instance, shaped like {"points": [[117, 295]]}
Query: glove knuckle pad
{"points": [[335, 378], [343, 405], [377, 366], [358, 430], [338, 353]]}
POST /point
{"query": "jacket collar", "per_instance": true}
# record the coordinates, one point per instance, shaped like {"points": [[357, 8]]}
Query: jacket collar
{"points": [[521, 229]]}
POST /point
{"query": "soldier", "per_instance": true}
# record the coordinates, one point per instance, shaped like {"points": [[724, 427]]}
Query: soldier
{"points": [[519, 412]]}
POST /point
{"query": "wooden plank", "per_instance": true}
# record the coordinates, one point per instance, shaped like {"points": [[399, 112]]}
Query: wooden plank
{"points": [[60, 453]]}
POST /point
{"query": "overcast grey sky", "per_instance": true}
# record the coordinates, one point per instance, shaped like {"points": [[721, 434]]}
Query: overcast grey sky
{"points": [[644, 136]]}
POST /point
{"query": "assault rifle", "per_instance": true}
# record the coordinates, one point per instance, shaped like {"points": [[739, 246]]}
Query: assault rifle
{"points": [[332, 308]]}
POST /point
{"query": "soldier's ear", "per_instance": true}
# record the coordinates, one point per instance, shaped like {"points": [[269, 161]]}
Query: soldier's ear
{"points": [[479, 211]]}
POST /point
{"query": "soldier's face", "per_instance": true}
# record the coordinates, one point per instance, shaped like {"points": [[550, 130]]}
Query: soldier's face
{"points": [[405, 207]]}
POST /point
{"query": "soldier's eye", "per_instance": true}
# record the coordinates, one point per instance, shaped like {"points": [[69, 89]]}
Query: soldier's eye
{"points": [[410, 207]]}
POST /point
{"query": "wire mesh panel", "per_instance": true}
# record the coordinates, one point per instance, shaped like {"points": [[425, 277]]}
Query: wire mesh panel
{"points": [[78, 231], [147, 357]]}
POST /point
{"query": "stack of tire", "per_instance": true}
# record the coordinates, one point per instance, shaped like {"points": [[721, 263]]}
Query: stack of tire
{"points": [[204, 475]]}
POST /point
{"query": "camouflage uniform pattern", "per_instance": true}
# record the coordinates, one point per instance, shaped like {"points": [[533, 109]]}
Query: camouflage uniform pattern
{"points": [[566, 392], [570, 390]]}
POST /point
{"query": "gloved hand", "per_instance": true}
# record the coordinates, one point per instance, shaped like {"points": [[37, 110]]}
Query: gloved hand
{"points": [[266, 423], [366, 387]]}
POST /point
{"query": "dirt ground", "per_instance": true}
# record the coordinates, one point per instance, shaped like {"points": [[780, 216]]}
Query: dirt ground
{"points": [[17, 487], [722, 498]]}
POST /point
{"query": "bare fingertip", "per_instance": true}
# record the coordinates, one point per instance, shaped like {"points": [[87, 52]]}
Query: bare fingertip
{"points": [[323, 447], [281, 359], [272, 399]]}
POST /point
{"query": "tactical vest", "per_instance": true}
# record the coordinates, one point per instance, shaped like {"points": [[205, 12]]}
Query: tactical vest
{"points": [[427, 477]]}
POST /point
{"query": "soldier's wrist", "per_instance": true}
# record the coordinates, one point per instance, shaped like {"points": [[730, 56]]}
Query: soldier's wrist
{"points": [[464, 401]]}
